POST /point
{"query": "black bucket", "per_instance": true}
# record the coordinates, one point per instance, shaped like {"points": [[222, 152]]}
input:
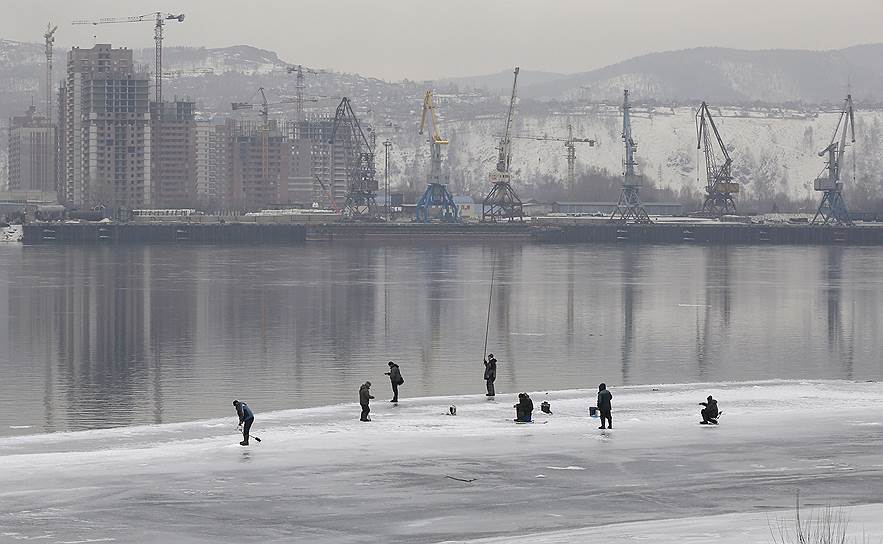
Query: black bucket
{"points": [[593, 411]]}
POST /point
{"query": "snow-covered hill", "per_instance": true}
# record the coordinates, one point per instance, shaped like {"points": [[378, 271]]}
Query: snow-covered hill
{"points": [[774, 152]]}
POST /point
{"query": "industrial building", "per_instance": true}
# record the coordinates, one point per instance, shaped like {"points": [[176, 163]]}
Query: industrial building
{"points": [[32, 153], [104, 130]]}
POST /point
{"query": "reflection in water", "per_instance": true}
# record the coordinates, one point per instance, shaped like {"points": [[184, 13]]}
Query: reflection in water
{"points": [[104, 336], [837, 345], [630, 293]]}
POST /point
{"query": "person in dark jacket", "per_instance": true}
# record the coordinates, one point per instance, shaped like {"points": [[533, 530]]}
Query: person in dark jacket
{"points": [[710, 412], [246, 418], [490, 374], [364, 398], [395, 379], [604, 397], [524, 408]]}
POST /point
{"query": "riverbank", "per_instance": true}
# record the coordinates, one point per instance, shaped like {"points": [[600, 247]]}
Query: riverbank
{"points": [[320, 475]]}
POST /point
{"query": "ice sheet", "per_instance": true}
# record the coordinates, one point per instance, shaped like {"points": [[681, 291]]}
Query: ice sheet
{"points": [[320, 475]]}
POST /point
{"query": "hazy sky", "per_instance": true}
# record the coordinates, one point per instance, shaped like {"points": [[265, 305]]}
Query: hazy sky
{"points": [[395, 39]]}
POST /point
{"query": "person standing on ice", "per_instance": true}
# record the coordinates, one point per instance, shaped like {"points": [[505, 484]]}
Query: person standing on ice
{"points": [[395, 379], [604, 397], [246, 418], [710, 412], [364, 398], [490, 374]]}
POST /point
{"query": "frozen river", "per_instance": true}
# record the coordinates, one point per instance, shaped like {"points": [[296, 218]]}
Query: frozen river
{"points": [[321, 476], [96, 337]]}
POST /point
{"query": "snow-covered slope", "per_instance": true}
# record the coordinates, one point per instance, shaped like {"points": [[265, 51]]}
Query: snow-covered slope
{"points": [[774, 151]]}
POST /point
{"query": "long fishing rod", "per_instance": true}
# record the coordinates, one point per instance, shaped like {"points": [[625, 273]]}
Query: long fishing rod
{"points": [[490, 296]]}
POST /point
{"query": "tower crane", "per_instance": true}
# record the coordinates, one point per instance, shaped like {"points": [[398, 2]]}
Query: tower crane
{"points": [[49, 37], [629, 207], [719, 186], [436, 194], [570, 153], [159, 19], [299, 87], [502, 202], [264, 109], [832, 208], [360, 201]]}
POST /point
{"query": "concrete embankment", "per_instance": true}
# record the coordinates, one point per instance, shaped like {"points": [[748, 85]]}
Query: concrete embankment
{"points": [[596, 232]]}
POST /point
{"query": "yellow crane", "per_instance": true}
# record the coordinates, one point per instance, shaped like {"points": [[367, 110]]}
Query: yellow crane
{"points": [[436, 194]]}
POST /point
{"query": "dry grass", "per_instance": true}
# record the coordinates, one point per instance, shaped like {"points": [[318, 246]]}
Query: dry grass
{"points": [[828, 525]]}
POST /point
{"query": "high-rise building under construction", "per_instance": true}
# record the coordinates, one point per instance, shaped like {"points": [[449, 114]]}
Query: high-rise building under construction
{"points": [[104, 131], [32, 153]]}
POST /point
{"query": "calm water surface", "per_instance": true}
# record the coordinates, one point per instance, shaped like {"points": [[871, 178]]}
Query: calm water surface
{"points": [[107, 336]]}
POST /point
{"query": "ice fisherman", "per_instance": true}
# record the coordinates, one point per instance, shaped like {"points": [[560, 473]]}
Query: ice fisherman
{"points": [[364, 398], [604, 397], [490, 374], [395, 379], [710, 412], [246, 418], [524, 408]]}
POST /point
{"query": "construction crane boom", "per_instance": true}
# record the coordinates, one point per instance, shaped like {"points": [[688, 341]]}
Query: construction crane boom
{"points": [[505, 149], [49, 41], [570, 154], [159, 20]]}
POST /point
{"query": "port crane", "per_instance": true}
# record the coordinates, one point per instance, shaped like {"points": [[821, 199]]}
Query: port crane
{"points": [[436, 194], [360, 204], [502, 202], [570, 154], [159, 19], [629, 208], [719, 187], [49, 42], [832, 208]]}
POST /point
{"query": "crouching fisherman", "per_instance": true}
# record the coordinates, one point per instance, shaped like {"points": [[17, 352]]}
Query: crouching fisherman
{"points": [[524, 408], [710, 413], [246, 418]]}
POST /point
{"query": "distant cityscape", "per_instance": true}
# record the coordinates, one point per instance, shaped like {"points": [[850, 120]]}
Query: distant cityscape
{"points": [[113, 147]]}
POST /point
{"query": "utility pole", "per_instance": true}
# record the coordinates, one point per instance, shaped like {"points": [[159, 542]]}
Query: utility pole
{"points": [[386, 145]]}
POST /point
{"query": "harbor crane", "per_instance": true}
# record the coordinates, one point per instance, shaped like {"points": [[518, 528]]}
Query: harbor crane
{"points": [[159, 19], [436, 195], [502, 203], [719, 187], [360, 203], [629, 208], [832, 208], [49, 41], [570, 154]]}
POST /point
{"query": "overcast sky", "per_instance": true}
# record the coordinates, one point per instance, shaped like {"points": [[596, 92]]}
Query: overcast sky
{"points": [[415, 39]]}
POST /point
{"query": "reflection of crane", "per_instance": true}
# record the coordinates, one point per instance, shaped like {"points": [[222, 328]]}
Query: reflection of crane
{"points": [[719, 187], [49, 38], [436, 194], [629, 207], [360, 202], [502, 202], [159, 20], [832, 209], [570, 148]]}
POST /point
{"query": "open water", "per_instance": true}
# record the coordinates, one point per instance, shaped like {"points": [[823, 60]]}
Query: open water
{"points": [[102, 336]]}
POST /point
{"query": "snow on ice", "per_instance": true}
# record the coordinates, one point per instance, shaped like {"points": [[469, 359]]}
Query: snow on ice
{"points": [[322, 476]]}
